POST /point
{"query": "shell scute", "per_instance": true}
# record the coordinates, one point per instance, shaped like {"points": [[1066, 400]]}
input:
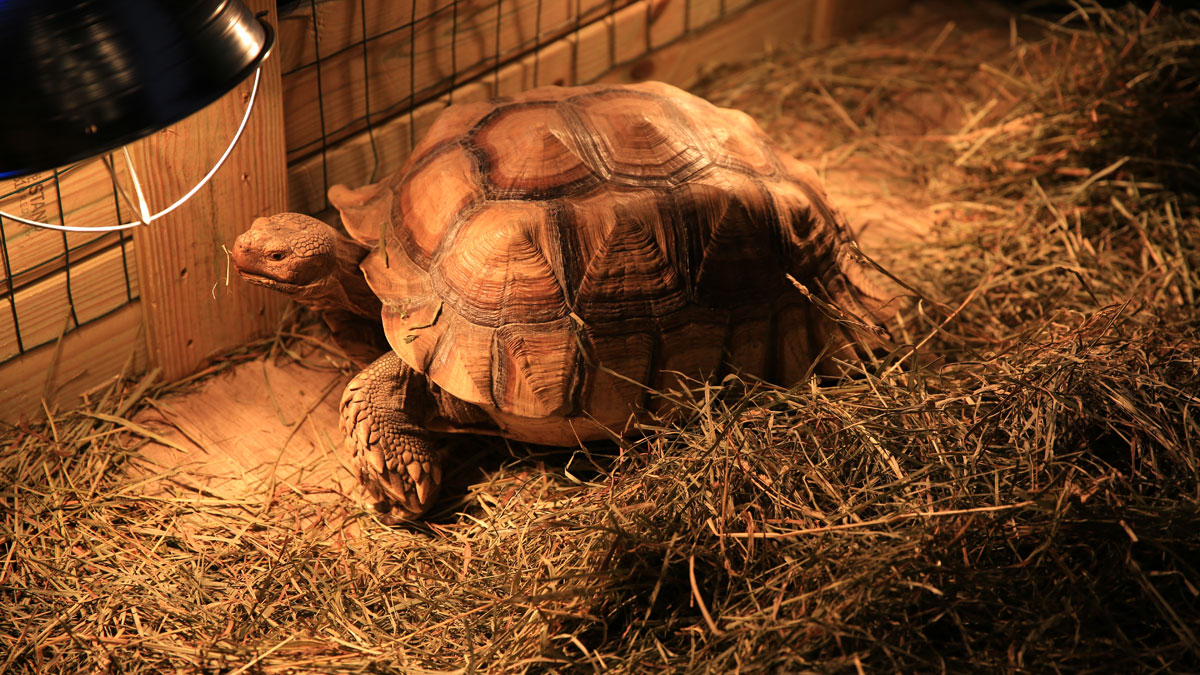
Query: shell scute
{"points": [[625, 351], [692, 347], [806, 222], [640, 140], [737, 241], [431, 199], [502, 266], [531, 152], [629, 258], [751, 341], [740, 145], [457, 355], [535, 368], [449, 125]]}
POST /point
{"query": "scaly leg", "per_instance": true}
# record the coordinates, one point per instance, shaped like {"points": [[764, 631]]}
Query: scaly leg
{"points": [[397, 460]]}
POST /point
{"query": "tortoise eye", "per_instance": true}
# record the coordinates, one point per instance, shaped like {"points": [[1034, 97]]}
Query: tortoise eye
{"points": [[276, 255]]}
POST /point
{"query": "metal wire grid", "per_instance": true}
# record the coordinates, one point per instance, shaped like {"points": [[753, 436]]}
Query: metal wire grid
{"points": [[73, 250], [417, 96]]}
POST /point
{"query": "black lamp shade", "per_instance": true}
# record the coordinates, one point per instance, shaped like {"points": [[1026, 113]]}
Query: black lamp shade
{"points": [[81, 77]]}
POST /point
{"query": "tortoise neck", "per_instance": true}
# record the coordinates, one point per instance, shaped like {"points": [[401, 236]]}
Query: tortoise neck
{"points": [[345, 287], [362, 300]]}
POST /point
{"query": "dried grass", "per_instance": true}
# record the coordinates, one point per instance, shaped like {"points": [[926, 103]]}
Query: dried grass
{"points": [[1023, 494]]}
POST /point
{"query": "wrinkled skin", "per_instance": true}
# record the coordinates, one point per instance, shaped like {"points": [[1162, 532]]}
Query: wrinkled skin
{"points": [[318, 267], [308, 260]]}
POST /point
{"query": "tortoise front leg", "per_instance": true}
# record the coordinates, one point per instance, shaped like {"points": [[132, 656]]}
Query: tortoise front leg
{"points": [[396, 458]]}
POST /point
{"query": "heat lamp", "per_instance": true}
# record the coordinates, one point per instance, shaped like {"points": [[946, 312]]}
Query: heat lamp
{"points": [[84, 78]]}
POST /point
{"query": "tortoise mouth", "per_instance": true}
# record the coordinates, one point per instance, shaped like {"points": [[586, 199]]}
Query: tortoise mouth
{"points": [[269, 282]]}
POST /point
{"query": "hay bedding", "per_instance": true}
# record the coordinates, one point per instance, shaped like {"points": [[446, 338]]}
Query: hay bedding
{"points": [[1014, 489]]}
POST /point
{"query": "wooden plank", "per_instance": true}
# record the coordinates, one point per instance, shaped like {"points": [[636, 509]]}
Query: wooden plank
{"points": [[95, 287], [407, 63], [668, 19], [594, 49], [36, 299], [737, 37], [86, 359], [87, 199], [339, 24], [629, 38], [190, 312], [702, 14]]}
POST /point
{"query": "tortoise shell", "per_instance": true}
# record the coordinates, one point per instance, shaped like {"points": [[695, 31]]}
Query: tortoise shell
{"points": [[553, 254]]}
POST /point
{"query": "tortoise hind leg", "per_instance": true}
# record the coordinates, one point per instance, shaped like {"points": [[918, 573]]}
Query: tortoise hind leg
{"points": [[397, 460]]}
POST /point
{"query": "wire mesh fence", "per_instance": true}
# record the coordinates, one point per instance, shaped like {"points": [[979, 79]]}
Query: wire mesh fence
{"points": [[369, 76], [347, 64], [361, 81], [55, 282]]}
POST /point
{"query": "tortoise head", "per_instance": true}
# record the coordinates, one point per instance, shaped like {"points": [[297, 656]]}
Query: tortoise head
{"points": [[287, 252], [314, 264]]}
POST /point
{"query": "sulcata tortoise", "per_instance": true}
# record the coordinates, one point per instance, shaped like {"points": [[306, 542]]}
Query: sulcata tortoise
{"points": [[544, 263]]}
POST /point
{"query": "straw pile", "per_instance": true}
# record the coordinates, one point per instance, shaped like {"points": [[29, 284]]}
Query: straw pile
{"points": [[1015, 488]]}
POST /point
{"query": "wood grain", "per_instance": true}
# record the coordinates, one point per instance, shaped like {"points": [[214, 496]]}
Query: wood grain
{"points": [[97, 286], [190, 312], [86, 196], [86, 359], [740, 35]]}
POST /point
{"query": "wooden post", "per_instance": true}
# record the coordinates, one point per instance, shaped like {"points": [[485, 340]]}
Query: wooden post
{"points": [[190, 311]]}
